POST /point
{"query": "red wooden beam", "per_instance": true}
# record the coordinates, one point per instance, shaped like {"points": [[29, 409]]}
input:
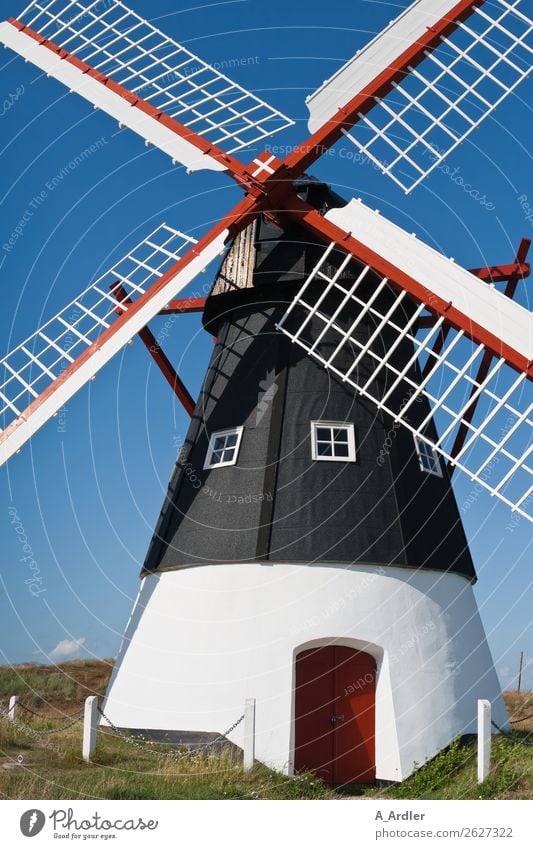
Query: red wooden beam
{"points": [[500, 273], [168, 371], [159, 356], [435, 351], [462, 433], [517, 270], [234, 167], [486, 360], [347, 116], [426, 321], [520, 260], [324, 229]]}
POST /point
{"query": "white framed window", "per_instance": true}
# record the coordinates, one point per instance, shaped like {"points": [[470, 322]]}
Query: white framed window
{"points": [[428, 457], [333, 441], [223, 448]]}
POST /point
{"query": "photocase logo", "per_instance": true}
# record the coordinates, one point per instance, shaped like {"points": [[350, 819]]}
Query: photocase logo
{"points": [[32, 822], [268, 388]]}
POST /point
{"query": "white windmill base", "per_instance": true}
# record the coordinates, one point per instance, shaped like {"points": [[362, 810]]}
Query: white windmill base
{"points": [[201, 640]]}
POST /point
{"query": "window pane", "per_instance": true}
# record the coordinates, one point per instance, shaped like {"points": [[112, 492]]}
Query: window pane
{"points": [[341, 450], [323, 433], [429, 460], [324, 449], [223, 448], [340, 434]]}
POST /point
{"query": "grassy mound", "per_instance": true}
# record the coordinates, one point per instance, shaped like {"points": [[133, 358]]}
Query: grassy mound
{"points": [[50, 767]]}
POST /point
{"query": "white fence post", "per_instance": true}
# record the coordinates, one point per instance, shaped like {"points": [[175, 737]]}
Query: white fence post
{"points": [[13, 704], [483, 739], [90, 722], [249, 734]]}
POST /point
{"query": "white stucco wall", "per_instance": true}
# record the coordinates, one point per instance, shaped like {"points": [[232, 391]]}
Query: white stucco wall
{"points": [[202, 640]]}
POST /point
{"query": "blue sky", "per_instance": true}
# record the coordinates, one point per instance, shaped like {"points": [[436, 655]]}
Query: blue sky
{"points": [[87, 495]]}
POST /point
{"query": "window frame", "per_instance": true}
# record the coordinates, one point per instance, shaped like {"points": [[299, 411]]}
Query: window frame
{"points": [[238, 431], [348, 427], [436, 471]]}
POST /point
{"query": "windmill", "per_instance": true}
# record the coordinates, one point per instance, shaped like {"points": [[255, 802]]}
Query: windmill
{"points": [[309, 552]]}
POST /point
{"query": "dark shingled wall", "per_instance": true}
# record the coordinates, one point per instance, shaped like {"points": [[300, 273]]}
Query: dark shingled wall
{"points": [[276, 502]]}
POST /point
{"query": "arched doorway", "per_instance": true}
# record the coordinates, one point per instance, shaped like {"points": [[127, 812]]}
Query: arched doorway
{"points": [[335, 695]]}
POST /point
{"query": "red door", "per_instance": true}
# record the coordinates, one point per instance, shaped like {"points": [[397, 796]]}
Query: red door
{"points": [[335, 714]]}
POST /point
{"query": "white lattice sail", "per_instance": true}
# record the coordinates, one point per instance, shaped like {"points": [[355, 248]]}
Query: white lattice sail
{"points": [[497, 450], [121, 45], [441, 99], [42, 373]]}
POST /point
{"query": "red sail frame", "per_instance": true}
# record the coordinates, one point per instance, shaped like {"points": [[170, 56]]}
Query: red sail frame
{"points": [[269, 189]]}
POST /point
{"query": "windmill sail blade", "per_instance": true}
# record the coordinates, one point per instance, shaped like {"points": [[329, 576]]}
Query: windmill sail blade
{"points": [[145, 80], [39, 376], [396, 361], [418, 89]]}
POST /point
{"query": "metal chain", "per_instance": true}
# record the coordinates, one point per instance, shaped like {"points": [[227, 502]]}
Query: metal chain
{"points": [[42, 715], [26, 708], [522, 718], [175, 755], [38, 732], [510, 736]]}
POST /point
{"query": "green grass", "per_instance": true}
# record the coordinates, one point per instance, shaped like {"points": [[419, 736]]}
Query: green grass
{"points": [[452, 774], [32, 686], [55, 686], [52, 767]]}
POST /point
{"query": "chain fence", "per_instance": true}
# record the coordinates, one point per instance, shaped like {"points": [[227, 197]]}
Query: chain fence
{"points": [[518, 719], [115, 731], [511, 735], [38, 732], [175, 754], [42, 715], [28, 709]]}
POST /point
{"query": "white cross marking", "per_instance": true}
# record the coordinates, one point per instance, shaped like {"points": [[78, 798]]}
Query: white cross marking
{"points": [[263, 166]]}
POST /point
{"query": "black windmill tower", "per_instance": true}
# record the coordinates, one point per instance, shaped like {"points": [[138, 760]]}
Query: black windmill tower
{"points": [[246, 486]]}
